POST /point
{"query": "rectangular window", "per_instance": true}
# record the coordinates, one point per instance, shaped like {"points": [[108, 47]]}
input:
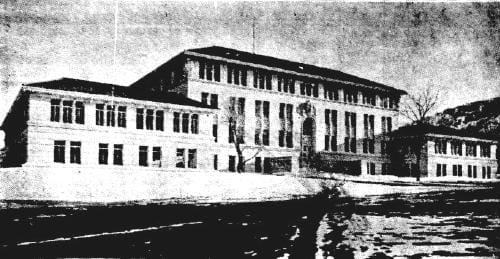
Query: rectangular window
{"points": [[185, 123], [216, 163], [67, 111], [110, 115], [55, 109], [484, 172], [289, 126], [456, 148], [470, 149], [455, 170], [59, 151], [444, 169], [103, 154], [204, 98], [474, 171], [459, 170], [258, 165], [350, 129], [440, 146], [262, 123], [438, 170], [469, 171], [258, 122], [192, 163], [159, 120], [176, 122], [118, 154], [201, 70], [232, 164], [369, 138], [157, 156], [99, 114], [214, 100], [485, 150], [143, 156], [139, 119], [330, 130], [281, 134], [75, 152], [370, 168], [194, 123], [122, 116], [79, 113], [488, 172], [149, 119], [265, 132], [215, 128], [180, 160]]}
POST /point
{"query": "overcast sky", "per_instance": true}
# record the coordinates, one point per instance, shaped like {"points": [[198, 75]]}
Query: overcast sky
{"points": [[455, 47]]}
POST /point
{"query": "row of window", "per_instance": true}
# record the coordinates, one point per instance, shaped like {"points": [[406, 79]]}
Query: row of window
{"points": [[457, 171], [70, 109], [440, 147], [262, 79], [117, 159]]}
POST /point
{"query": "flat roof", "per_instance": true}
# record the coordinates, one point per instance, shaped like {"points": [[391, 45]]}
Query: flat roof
{"points": [[426, 129]]}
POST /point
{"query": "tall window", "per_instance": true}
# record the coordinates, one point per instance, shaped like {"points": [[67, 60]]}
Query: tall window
{"points": [[286, 125], [204, 98], [262, 80], [330, 130], [192, 158], [159, 120], [213, 98], [59, 151], [286, 84], [350, 130], [330, 92], [75, 152], [216, 163], [110, 115], [309, 89], [194, 123], [386, 128], [209, 71], [237, 119], [157, 156], [232, 164], [67, 111], [103, 154], [149, 119], [370, 168], [369, 98], [258, 164], [485, 150], [350, 96], [179, 163], [176, 122], [215, 128], [474, 171], [440, 146], [456, 148], [143, 156], [469, 171], [236, 75], [99, 114], [470, 149], [55, 109], [122, 116], [262, 123], [118, 154], [185, 123], [440, 170], [79, 113], [369, 140]]}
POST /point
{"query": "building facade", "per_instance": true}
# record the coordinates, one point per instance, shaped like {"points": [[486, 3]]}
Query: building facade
{"points": [[443, 153], [76, 123], [286, 115]]}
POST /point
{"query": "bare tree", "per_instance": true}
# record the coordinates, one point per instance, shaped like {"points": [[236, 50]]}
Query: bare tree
{"points": [[417, 109], [233, 114], [420, 105]]}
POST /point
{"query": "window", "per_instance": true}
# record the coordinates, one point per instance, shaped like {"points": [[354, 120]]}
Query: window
{"points": [[369, 140], [350, 130], [440, 170], [79, 113], [350, 96], [488, 172], [143, 156], [440, 146], [232, 164], [209, 71], [118, 154], [484, 172], [370, 168], [258, 164], [330, 130], [216, 165], [159, 120], [75, 152], [485, 150], [262, 123], [384, 101], [286, 84], [215, 128], [59, 151], [99, 114], [103, 154], [236, 75], [149, 119], [185, 123], [262, 80], [330, 92], [455, 170], [286, 125], [140, 118], [55, 109], [469, 171], [110, 115], [204, 98], [369, 99], [194, 123], [474, 171], [386, 128], [456, 148], [192, 158], [179, 162], [470, 149], [122, 116], [214, 101], [236, 125], [67, 111], [385, 168], [157, 156], [176, 122], [459, 170], [309, 89]]}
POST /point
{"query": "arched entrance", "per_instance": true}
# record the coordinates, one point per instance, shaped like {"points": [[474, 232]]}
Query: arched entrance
{"points": [[307, 142]]}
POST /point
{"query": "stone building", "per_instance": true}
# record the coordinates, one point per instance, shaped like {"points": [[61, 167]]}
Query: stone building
{"points": [[286, 115], [443, 153], [81, 124]]}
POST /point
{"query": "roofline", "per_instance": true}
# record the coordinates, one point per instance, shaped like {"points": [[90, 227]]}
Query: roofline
{"points": [[69, 78], [191, 52], [465, 138]]}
